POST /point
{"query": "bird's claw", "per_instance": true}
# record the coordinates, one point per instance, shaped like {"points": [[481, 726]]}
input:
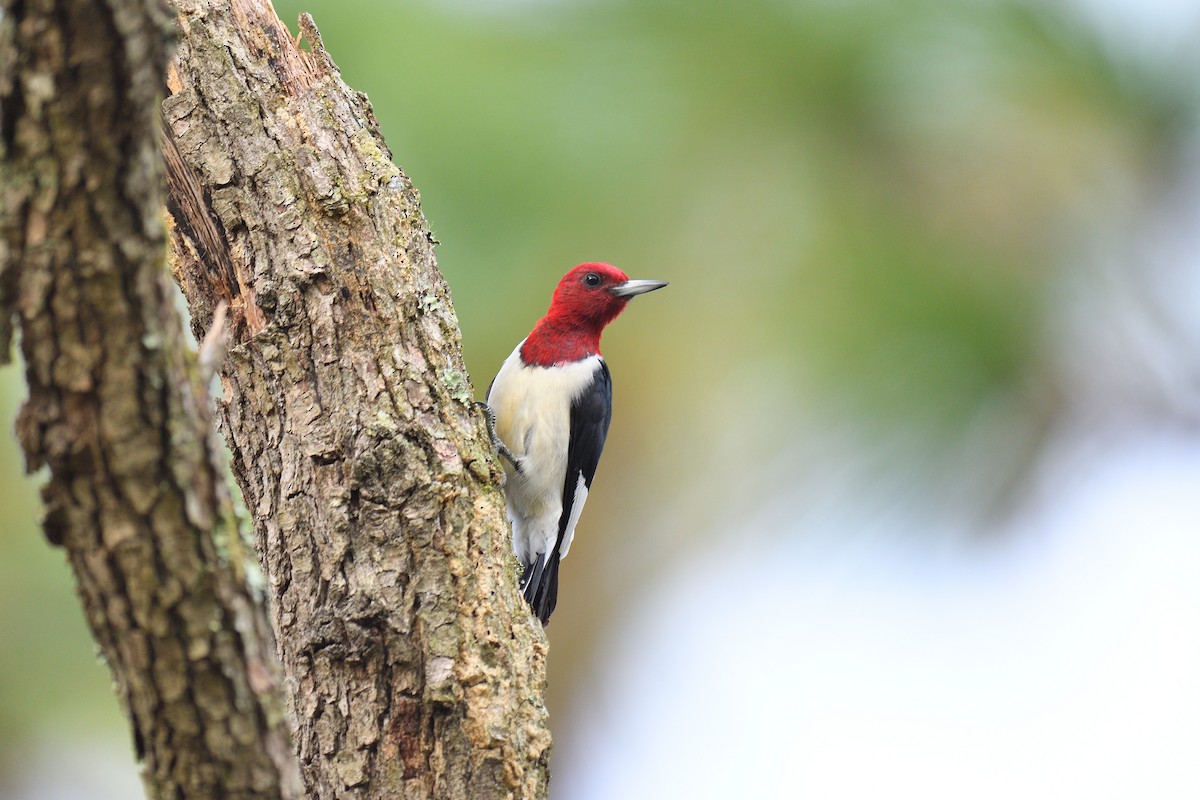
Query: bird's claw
{"points": [[500, 446]]}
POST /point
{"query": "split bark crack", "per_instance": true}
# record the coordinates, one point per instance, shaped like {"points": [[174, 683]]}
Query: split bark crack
{"points": [[394, 633]]}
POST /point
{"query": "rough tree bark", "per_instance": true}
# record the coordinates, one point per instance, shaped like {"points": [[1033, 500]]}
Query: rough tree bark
{"points": [[414, 667], [115, 409]]}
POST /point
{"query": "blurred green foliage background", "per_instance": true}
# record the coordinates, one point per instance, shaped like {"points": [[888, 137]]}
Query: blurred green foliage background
{"points": [[873, 215]]}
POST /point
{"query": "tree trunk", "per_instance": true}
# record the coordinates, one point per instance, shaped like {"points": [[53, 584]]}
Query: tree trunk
{"points": [[414, 666], [115, 410]]}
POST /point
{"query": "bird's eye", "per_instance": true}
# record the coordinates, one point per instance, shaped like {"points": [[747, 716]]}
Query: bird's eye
{"points": [[591, 279]]}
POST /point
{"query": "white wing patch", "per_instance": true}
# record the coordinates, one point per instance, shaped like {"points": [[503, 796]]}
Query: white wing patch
{"points": [[573, 520]]}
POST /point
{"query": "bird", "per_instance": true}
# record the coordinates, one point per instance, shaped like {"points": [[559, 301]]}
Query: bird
{"points": [[549, 409]]}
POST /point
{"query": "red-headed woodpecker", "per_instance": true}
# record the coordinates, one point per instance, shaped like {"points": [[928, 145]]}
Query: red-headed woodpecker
{"points": [[551, 403]]}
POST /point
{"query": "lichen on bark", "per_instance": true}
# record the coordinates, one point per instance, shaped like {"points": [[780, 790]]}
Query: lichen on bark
{"points": [[115, 412], [414, 668]]}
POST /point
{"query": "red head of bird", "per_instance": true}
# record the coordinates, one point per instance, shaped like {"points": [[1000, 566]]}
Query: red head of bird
{"points": [[587, 298]]}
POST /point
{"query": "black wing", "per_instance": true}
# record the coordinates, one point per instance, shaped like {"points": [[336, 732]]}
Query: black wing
{"points": [[590, 415]]}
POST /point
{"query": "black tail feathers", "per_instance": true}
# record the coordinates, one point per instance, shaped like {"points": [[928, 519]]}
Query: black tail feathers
{"points": [[539, 584]]}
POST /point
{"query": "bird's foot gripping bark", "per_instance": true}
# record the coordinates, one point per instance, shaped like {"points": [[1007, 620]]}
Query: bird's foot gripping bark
{"points": [[501, 448]]}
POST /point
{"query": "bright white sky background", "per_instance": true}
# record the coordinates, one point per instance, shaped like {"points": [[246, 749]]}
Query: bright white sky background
{"points": [[1060, 661]]}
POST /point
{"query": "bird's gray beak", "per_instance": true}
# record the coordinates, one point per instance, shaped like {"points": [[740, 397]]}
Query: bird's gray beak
{"points": [[633, 288]]}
